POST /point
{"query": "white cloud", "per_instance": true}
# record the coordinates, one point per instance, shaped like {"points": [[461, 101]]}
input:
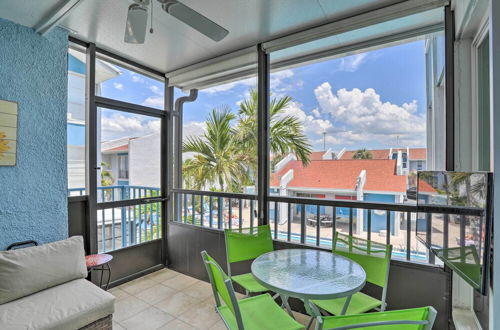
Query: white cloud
{"points": [[310, 124], [193, 128], [118, 126], [154, 102], [246, 96], [368, 119], [352, 63], [316, 113], [155, 89], [276, 78], [136, 78], [118, 86]]}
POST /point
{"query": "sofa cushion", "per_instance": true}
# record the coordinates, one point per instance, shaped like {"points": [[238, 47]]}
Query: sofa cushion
{"points": [[71, 305], [29, 270]]}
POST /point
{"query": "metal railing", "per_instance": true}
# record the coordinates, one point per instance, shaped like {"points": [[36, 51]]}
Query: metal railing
{"points": [[127, 225], [312, 221], [118, 192]]}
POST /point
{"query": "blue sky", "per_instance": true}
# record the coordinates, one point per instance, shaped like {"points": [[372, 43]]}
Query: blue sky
{"points": [[373, 100]]}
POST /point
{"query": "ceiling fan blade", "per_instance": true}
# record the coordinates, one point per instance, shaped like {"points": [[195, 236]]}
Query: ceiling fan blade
{"points": [[137, 21], [195, 20]]}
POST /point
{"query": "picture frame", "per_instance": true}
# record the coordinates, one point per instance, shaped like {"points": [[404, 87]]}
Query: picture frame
{"points": [[8, 132]]}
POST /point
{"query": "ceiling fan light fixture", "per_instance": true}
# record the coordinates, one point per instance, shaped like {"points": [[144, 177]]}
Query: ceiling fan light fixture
{"points": [[194, 19], [137, 20]]}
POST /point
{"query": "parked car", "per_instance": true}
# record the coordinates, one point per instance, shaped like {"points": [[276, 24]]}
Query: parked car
{"points": [[411, 193]]}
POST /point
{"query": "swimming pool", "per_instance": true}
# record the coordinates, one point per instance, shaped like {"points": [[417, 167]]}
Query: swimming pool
{"points": [[327, 242]]}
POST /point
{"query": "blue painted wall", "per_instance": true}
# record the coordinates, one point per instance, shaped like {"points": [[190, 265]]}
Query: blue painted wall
{"points": [[76, 134], [33, 194], [379, 222], [76, 65]]}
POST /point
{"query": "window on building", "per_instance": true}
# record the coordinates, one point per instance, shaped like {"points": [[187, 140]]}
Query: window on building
{"points": [[123, 166]]}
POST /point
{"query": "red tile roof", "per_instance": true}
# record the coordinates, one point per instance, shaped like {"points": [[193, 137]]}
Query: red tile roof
{"points": [[424, 187], [317, 155], [418, 153], [343, 174], [119, 148]]}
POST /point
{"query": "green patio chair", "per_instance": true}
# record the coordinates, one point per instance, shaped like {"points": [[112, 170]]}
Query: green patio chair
{"points": [[375, 259], [258, 312], [405, 319], [247, 244]]}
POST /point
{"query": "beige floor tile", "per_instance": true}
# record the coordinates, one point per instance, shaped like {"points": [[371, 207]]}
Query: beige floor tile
{"points": [[200, 316], [180, 282], [162, 275], [240, 295], [210, 301], [118, 293], [177, 304], [128, 307], [136, 286], [155, 294], [117, 326], [150, 318], [302, 318], [220, 325], [200, 290], [176, 325]]}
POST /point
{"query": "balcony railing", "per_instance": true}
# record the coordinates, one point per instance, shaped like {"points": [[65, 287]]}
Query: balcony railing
{"points": [[312, 221], [119, 227], [118, 192]]}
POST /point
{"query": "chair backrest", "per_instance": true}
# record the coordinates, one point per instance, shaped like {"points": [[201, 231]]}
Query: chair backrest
{"points": [[247, 243], [421, 318], [222, 287], [374, 257]]}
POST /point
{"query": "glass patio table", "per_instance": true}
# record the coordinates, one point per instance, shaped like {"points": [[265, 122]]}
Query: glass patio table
{"points": [[309, 274]]}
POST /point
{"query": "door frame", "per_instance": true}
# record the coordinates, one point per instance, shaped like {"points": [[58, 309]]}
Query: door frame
{"points": [[93, 102]]}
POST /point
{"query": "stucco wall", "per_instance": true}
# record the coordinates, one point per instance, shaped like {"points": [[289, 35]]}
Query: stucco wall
{"points": [[379, 221], [33, 194], [144, 161]]}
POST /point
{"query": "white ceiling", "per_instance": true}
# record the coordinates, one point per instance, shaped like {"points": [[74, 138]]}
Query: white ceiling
{"points": [[175, 45]]}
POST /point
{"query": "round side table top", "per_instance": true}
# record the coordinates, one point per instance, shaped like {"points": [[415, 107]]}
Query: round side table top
{"points": [[95, 260]]}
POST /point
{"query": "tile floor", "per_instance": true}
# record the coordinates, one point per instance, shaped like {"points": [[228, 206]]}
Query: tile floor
{"points": [[168, 300]]}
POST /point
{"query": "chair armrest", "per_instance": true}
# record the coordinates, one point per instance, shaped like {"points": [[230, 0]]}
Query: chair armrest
{"points": [[319, 324]]}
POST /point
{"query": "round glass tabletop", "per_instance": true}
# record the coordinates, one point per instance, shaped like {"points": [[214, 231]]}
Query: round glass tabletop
{"points": [[308, 274]]}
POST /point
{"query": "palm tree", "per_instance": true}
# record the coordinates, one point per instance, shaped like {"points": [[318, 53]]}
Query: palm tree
{"points": [[107, 178], [286, 132], [362, 154], [218, 158]]}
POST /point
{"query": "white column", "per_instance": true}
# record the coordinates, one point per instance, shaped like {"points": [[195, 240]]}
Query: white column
{"points": [[494, 30]]}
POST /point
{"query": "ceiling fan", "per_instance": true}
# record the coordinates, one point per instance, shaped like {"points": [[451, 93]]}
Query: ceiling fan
{"points": [[137, 20]]}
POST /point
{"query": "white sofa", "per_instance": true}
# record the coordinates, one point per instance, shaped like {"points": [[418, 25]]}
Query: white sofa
{"points": [[44, 287]]}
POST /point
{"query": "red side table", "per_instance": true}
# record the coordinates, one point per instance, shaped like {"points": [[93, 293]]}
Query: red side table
{"points": [[100, 262]]}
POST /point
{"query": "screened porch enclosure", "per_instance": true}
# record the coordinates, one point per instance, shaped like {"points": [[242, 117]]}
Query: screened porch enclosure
{"points": [[154, 214]]}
